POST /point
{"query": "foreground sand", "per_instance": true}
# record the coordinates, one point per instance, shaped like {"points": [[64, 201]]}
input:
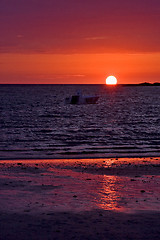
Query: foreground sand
{"points": [[80, 199]]}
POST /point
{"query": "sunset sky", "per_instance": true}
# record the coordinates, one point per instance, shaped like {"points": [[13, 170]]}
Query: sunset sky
{"points": [[68, 41]]}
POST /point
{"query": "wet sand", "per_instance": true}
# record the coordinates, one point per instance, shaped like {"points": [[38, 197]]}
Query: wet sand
{"points": [[80, 199]]}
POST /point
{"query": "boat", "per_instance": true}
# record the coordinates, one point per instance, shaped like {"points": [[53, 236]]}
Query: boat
{"points": [[80, 99]]}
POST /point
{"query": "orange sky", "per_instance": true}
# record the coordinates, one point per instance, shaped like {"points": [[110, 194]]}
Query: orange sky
{"points": [[79, 68], [76, 42]]}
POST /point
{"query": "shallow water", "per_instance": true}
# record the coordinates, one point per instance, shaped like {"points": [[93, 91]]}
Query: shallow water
{"points": [[36, 123], [38, 186]]}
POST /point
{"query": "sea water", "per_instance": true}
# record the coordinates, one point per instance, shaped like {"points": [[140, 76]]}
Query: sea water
{"points": [[36, 123]]}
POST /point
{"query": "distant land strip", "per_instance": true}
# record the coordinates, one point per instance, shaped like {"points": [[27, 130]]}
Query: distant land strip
{"points": [[38, 84]]}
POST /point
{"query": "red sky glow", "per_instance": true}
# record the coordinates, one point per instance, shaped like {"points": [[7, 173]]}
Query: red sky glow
{"points": [[79, 42]]}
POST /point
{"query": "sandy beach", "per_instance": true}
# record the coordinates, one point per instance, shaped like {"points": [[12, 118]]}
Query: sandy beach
{"points": [[114, 198]]}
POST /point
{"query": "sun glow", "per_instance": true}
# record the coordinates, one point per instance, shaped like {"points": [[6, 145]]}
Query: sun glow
{"points": [[111, 80]]}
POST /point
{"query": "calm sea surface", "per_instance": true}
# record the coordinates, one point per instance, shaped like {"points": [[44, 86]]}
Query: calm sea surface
{"points": [[35, 122]]}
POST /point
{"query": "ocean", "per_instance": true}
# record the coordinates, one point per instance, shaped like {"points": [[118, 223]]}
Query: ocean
{"points": [[35, 122]]}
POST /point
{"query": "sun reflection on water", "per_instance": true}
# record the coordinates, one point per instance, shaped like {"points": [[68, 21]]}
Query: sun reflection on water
{"points": [[110, 194], [128, 195]]}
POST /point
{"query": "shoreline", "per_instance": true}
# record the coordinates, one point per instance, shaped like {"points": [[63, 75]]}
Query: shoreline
{"points": [[112, 198], [80, 157], [107, 176]]}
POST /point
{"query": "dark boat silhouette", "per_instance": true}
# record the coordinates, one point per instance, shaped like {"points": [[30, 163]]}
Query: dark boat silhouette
{"points": [[80, 99]]}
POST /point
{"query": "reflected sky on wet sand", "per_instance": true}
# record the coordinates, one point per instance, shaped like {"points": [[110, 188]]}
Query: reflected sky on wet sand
{"points": [[42, 186]]}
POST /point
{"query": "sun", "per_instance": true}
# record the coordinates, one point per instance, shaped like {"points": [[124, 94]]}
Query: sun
{"points": [[111, 80]]}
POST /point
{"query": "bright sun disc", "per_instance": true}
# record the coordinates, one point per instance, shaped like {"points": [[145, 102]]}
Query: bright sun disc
{"points": [[111, 80]]}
